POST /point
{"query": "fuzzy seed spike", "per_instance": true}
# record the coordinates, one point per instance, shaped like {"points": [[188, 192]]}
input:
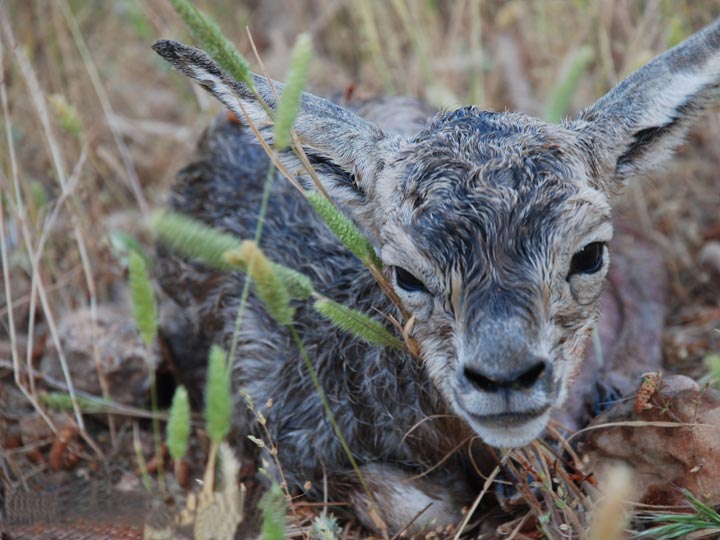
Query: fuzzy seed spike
{"points": [[143, 299], [208, 34], [357, 323], [178, 426], [289, 104], [268, 285], [344, 229], [273, 506], [218, 400], [192, 238]]}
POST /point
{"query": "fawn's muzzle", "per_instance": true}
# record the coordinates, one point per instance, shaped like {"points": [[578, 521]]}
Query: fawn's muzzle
{"points": [[507, 406], [505, 384]]}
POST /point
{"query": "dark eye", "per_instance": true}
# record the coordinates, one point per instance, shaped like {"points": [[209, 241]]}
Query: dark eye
{"points": [[588, 260], [407, 282]]}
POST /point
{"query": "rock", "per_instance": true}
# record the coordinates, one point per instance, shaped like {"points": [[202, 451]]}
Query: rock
{"points": [[677, 448], [710, 256], [35, 430], [121, 351]]}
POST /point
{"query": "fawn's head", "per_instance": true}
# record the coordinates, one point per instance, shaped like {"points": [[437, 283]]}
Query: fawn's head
{"points": [[493, 226]]}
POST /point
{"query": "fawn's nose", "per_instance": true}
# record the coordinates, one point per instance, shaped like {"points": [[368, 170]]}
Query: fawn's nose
{"points": [[522, 378]]}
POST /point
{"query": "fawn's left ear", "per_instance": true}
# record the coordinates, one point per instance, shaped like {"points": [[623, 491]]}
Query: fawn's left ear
{"points": [[635, 127], [345, 150]]}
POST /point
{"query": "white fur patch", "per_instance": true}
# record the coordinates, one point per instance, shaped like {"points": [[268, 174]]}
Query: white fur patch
{"points": [[677, 90], [229, 98]]}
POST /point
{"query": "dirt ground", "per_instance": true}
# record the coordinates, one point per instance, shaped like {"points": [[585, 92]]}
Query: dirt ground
{"points": [[95, 125]]}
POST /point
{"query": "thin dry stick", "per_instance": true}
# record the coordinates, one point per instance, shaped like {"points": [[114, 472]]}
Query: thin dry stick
{"points": [[37, 253], [447, 456], [364, 8], [112, 407], [516, 531], [107, 108], [11, 323], [411, 29], [641, 423], [476, 503], [3, 247], [269, 151], [421, 422], [413, 520], [300, 152]]}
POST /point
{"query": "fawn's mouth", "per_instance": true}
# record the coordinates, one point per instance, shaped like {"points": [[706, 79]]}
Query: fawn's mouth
{"points": [[508, 429], [509, 419]]}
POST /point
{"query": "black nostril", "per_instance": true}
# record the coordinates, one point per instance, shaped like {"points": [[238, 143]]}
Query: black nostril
{"points": [[481, 382], [511, 381], [530, 377]]}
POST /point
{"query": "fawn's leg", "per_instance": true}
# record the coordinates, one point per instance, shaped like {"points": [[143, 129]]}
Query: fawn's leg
{"points": [[405, 502]]}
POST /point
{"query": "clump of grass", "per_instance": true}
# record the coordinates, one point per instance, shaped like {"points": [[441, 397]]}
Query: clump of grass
{"points": [[703, 522], [275, 284], [213, 513]]}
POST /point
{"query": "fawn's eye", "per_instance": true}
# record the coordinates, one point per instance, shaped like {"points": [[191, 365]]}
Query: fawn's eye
{"points": [[407, 282], [588, 260]]}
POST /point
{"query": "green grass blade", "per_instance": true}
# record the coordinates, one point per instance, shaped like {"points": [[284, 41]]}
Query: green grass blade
{"points": [[712, 362], [560, 99], [63, 402], [704, 523], [143, 299]]}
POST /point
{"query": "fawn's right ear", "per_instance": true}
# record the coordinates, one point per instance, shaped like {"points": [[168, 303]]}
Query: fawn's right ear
{"points": [[345, 150], [636, 126]]}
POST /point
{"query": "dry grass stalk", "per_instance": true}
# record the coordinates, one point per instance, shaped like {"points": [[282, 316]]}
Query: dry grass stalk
{"points": [[611, 515]]}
